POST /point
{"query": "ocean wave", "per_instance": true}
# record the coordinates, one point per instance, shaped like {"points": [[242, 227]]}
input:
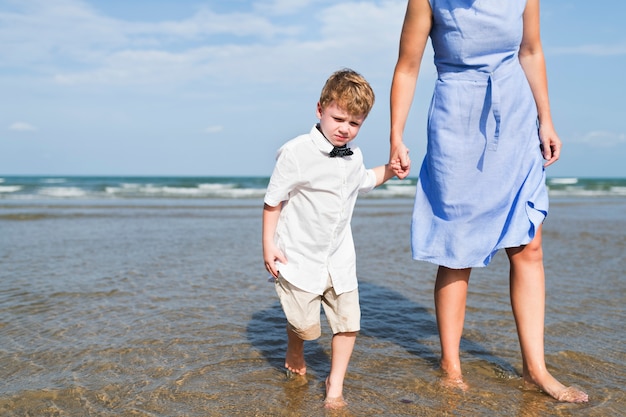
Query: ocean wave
{"points": [[563, 181], [213, 186], [405, 181], [206, 190], [586, 192], [30, 188], [619, 190], [62, 192], [9, 188], [392, 191]]}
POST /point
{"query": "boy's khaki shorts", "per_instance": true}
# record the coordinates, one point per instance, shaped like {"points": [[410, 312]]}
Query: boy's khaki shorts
{"points": [[302, 309]]}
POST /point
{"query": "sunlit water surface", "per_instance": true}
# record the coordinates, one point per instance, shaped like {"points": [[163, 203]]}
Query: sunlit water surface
{"points": [[162, 308]]}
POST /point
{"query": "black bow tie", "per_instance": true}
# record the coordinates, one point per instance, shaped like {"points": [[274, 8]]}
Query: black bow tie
{"points": [[340, 151]]}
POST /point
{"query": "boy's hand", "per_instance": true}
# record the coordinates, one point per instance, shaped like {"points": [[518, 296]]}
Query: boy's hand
{"points": [[396, 167], [271, 254]]}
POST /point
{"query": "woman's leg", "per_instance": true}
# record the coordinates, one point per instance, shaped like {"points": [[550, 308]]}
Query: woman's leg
{"points": [[450, 298], [527, 286]]}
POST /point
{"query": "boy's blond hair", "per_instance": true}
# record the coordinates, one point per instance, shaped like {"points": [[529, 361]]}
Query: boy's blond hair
{"points": [[350, 91]]}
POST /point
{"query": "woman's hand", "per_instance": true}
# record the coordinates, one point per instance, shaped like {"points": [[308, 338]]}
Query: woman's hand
{"points": [[399, 160], [550, 144]]}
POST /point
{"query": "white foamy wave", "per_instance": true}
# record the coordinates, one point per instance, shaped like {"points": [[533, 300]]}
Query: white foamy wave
{"points": [[405, 181], [216, 187], [229, 190], [394, 188], [62, 192], [201, 190], [9, 188], [392, 191], [563, 181], [13, 188], [242, 193], [618, 190], [130, 189], [401, 190], [579, 192]]}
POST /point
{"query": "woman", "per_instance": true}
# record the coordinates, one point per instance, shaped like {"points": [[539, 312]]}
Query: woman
{"points": [[482, 183]]}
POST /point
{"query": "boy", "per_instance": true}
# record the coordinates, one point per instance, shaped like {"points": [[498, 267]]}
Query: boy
{"points": [[307, 239]]}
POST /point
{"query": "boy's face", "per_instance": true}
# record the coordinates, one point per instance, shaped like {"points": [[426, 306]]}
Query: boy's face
{"points": [[337, 125]]}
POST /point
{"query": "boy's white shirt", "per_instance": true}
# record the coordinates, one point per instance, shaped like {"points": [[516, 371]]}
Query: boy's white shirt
{"points": [[318, 194]]}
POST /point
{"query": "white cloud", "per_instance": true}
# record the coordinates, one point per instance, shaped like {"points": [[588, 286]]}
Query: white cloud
{"points": [[601, 138], [72, 32], [591, 49], [282, 7], [75, 45], [22, 127], [214, 129], [206, 23]]}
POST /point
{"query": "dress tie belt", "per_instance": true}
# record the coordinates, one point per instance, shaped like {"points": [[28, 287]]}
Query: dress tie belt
{"points": [[492, 144]]}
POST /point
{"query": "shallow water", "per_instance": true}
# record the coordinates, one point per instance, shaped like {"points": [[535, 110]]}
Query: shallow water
{"points": [[162, 308]]}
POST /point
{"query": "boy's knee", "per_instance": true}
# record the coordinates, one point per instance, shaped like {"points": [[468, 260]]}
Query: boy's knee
{"points": [[308, 333], [347, 334]]}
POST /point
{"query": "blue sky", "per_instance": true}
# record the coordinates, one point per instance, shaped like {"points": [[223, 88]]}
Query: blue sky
{"points": [[214, 87]]}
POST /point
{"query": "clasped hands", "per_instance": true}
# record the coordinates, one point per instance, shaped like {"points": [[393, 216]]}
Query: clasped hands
{"points": [[399, 160]]}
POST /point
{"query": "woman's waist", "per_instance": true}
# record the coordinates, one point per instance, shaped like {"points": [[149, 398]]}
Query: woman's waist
{"points": [[484, 73]]}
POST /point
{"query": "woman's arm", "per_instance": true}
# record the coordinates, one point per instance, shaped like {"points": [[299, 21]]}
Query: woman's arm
{"points": [[533, 62], [415, 31]]}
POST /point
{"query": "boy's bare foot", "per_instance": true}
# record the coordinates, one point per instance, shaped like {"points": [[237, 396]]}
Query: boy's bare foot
{"points": [[294, 359], [333, 403], [558, 391]]}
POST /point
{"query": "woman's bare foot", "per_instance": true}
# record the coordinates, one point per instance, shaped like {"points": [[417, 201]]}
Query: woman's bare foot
{"points": [[452, 376], [333, 402], [294, 359], [556, 390], [454, 382]]}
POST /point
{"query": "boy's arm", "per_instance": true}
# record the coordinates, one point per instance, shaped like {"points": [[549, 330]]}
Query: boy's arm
{"points": [[271, 253], [383, 173]]}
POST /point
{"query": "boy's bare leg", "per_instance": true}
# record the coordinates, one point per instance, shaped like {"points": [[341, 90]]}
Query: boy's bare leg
{"points": [[294, 359], [450, 298], [527, 281], [342, 347]]}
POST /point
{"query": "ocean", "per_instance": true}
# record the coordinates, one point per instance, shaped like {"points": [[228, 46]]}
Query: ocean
{"points": [[111, 188], [147, 296]]}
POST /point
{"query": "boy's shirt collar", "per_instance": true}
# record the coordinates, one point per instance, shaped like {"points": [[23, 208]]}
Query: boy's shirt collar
{"points": [[324, 144]]}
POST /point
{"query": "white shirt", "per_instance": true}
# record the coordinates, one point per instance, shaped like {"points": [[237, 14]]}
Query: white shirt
{"points": [[319, 194]]}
